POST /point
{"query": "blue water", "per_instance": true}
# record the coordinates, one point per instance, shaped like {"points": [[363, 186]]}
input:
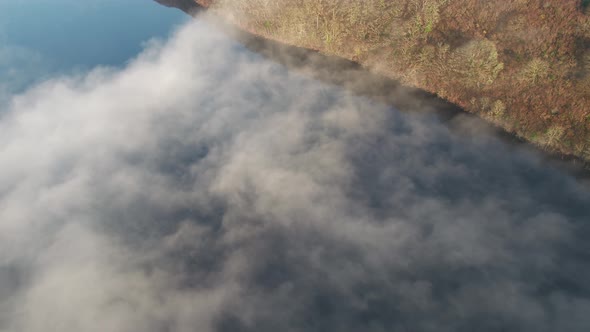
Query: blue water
{"points": [[41, 39], [208, 188]]}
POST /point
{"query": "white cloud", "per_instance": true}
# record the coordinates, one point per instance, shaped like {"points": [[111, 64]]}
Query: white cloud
{"points": [[204, 188]]}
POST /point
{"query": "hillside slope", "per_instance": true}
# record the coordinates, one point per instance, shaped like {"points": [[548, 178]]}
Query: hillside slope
{"points": [[521, 64]]}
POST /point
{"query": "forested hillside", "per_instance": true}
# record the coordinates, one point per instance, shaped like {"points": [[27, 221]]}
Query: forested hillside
{"points": [[521, 64]]}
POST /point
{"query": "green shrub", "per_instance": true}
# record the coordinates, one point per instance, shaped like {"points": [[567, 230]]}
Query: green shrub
{"points": [[476, 63], [498, 110], [554, 135], [536, 70]]}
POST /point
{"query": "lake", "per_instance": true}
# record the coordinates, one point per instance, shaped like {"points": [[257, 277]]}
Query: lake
{"points": [[192, 184], [40, 39]]}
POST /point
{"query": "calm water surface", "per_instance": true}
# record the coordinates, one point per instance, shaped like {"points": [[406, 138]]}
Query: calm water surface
{"points": [[206, 188], [40, 39]]}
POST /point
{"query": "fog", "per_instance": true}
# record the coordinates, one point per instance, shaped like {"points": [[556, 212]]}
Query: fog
{"points": [[205, 188]]}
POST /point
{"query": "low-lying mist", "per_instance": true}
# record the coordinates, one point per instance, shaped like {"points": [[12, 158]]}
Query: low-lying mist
{"points": [[204, 188]]}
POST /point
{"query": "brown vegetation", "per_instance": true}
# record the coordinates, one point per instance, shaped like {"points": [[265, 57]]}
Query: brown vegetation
{"points": [[522, 64]]}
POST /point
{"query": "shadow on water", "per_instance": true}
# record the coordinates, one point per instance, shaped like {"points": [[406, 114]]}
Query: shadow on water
{"points": [[362, 82]]}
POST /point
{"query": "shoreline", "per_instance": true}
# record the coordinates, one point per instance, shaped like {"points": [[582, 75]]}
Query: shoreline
{"points": [[363, 82]]}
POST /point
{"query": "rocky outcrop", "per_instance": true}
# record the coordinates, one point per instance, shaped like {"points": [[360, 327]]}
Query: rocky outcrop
{"points": [[188, 6]]}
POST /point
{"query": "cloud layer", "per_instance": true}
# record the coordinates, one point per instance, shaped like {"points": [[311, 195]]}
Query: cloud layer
{"points": [[203, 188]]}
